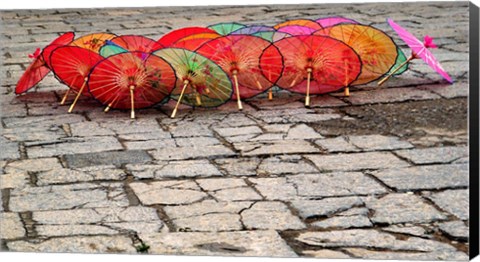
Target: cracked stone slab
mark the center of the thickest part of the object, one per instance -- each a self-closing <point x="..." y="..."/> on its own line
<point x="186" y="129"/>
<point x="455" y="229"/>
<point x="335" y="184"/>
<point x="11" y="225"/>
<point x="371" y="238"/>
<point x="168" y="192"/>
<point x="325" y="207"/>
<point x="434" y="155"/>
<point x="221" y="183"/>
<point x="337" y="144"/>
<point x="14" y="180"/>
<point x="238" y="166"/>
<point x="213" y="222"/>
<point x="244" y="243"/>
<point x="409" y="230"/>
<point x="196" y="141"/>
<point x="33" y="165"/>
<point x="183" y="153"/>
<point x="402" y="208"/>
<point x="150" y="144"/>
<point x="378" y="142"/>
<point x="270" y="215"/>
<point x="65" y="175"/>
<point x="236" y="194"/>
<point x="67" y="196"/>
<point x="131" y="126"/>
<point x="79" y="244"/>
<point x="32" y="135"/>
<point x="344" y="222"/>
<point x="275" y="188"/>
<point x="238" y="131"/>
<point x="175" y="169"/>
<point x="275" y="147"/>
<point x="89" y="129"/>
<point x="455" y="202"/>
<point x="42" y="121"/>
<point x="325" y="253"/>
<point x="386" y="255"/>
<point x="281" y="165"/>
<point x="206" y="207"/>
<point x="76" y="146"/>
<point x="356" y="161"/>
<point x="425" y="177"/>
<point x="116" y="158"/>
<point x="389" y="95"/>
<point x="302" y="131"/>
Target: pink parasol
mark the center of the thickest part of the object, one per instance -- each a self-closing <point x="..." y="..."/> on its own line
<point x="419" y="50"/>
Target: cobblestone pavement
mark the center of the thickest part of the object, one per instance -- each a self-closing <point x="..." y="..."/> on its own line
<point x="380" y="174"/>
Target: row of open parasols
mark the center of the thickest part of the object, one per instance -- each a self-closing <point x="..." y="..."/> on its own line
<point x="207" y="66"/>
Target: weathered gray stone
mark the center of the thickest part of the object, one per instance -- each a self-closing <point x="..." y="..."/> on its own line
<point x="378" y="142"/>
<point x="455" y="202"/>
<point x="33" y="165"/>
<point x="388" y="95"/>
<point x="236" y="194"/>
<point x="186" y="129"/>
<point x="42" y="121"/>
<point x="196" y="141"/>
<point x="285" y="165"/>
<point x="270" y="215"/>
<point x="10" y="150"/>
<point x="325" y="253"/>
<point x="425" y="177"/>
<point x="275" y="147"/>
<point x="455" y="229"/>
<point x="385" y="255"/>
<point x="302" y="131"/>
<point x="132" y="126"/>
<point x="206" y="207"/>
<point x="89" y="129"/>
<point x="325" y="207"/>
<point x="337" y="144"/>
<point x="357" y="161"/>
<point x="238" y="131"/>
<point x="457" y="89"/>
<point x="150" y="144"/>
<point x="221" y="183"/>
<point x="80" y="244"/>
<point x="182" y="153"/>
<point x="67" y="197"/>
<point x="343" y="222"/>
<point x="409" y="230"/>
<point x="76" y="146"/>
<point x="434" y="154"/>
<point x="238" y="166"/>
<point x="401" y="208"/>
<point x="73" y="230"/>
<point x="210" y="222"/>
<point x="167" y="192"/>
<point x="14" y="180"/>
<point x="335" y="184"/>
<point x="65" y="175"/>
<point x="11" y="225"/>
<point x="175" y="169"/>
<point x="244" y="243"/>
<point x="370" y="238"/>
<point x="275" y="188"/>
<point x="116" y="158"/>
<point x="157" y="135"/>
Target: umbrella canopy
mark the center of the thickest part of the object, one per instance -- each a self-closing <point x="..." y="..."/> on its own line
<point x="168" y="39"/>
<point x="40" y="66"/>
<point x="272" y="36"/>
<point x="194" y="41"/>
<point x="131" y="80"/>
<point x="200" y="82"/>
<point x="136" y="43"/>
<point x="334" y="20"/>
<point x="238" y="55"/>
<point x="93" y="42"/>
<point x="377" y="50"/>
<point x="298" y="27"/>
<point x="317" y="64"/>
<point x="252" y="29"/>
<point x="419" y="50"/>
<point x="226" y="28"/>
<point x="71" y="65"/>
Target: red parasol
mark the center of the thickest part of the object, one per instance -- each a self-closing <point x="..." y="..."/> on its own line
<point x="71" y="65"/>
<point x="317" y="64"/>
<point x="40" y="66"/>
<point x="238" y="55"/>
<point x="136" y="43"/>
<point x="168" y="39"/>
<point x="131" y="80"/>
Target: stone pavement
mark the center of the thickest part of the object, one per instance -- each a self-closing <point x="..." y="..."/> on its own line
<point x="380" y="174"/>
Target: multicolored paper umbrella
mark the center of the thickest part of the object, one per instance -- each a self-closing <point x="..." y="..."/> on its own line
<point x="93" y="42"/>
<point x="194" y="41"/>
<point x="376" y="49"/>
<point x="136" y="43"/>
<point x="131" y="80"/>
<point x="239" y="56"/>
<point x="209" y="84"/>
<point x="252" y="29"/>
<point x="168" y="39"/>
<point x="298" y="27"/>
<point x="419" y="50"/>
<point x="317" y="64"/>
<point x="334" y="20"/>
<point x="226" y="28"/>
<point x="71" y="65"/>
<point x="40" y="66"/>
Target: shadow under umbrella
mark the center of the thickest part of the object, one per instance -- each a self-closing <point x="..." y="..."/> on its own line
<point x="200" y="82"/>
